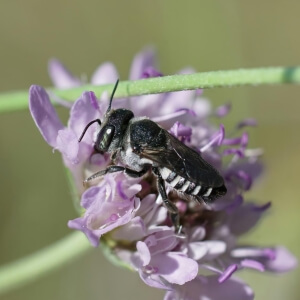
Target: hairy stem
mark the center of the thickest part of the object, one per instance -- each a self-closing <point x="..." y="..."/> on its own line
<point x="273" y="75"/>
<point x="29" y="268"/>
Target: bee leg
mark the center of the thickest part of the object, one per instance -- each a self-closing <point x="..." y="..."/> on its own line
<point x="175" y="221"/>
<point x="110" y="169"/>
<point x="136" y="174"/>
<point x="171" y="207"/>
<point x="113" y="169"/>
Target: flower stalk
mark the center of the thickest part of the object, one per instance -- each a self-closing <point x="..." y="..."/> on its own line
<point x="258" y="76"/>
<point x="29" y="268"/>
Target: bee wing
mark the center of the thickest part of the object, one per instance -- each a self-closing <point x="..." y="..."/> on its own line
<point x="185" y="161"/>
<point x="195" y="166"/>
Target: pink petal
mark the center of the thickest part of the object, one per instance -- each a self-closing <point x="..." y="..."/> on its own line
<point x="144" y="253"/>
<point x="133" y="231"/>
<point x="61" y="76"/>
<point x="206" y="250"/>
<point x="91" y="195"/>
<point x="169" y="268"/>
<point x="158" y="217"/>
<point x="44" y="114"/>
<point x="147" y="205"/>
<point x="105" y="74"/>
<point x="161" y="241"/>
<point x="284" y="261"/>
<point x="79" y="224"/>
<point x="67" y="144"/>
<point x="141" y="62"/>
<point x="196" y="251"/>
<point x="208" y="288"/>
<point x="244" y="218"/>
<point x="175" y="267"/>
<point x="84" y="111"/>
<point x="168" y="120"/>
<point x="223" y="110"/>
<point x="98" y="225"/>
<point x="252" y="264"/>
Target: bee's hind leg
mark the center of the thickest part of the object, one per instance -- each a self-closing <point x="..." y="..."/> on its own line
<point x="176" y="222"/>
<point x="171" y="207"/>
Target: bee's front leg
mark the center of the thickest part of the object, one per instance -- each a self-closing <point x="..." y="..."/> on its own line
<point x="113" y="169"/>
<point x="109" y="169"/>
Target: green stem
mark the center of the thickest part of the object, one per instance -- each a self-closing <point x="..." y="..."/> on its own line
<point x="273" y="75"/>
<point x="30" y="268"/>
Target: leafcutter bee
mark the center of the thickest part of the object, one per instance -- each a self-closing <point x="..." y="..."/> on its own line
<point x="141" y="145"/>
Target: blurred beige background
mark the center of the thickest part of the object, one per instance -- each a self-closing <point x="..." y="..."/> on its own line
<point x="208" y="35"/>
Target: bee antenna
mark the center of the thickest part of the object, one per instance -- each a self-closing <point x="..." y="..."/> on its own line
<point x="86" y="128"/>
<point x="111" y="97"/>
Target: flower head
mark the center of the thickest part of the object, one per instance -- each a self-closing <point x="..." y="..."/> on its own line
<point x="127" y="213"/>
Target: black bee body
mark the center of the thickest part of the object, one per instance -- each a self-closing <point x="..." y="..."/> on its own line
<point x="180" y="167"/>
<point x="140" y="145"/>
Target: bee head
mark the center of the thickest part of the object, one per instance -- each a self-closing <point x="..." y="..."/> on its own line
<point x="112" y="128"/>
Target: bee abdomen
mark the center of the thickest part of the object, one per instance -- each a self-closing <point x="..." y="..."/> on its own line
<point x="167" y="174"/>
<point x="183" y="185"/>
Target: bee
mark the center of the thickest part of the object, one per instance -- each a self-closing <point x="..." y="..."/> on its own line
<point x="141" y="145"/>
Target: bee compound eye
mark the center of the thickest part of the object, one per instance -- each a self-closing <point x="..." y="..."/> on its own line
<point x="105" y="138"/>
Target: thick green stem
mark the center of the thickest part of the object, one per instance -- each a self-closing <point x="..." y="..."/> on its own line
<point x="28" y="269"/>
<point x="275" y="75"/>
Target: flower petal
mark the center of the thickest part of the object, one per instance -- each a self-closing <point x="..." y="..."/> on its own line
<point x="105" y="74"/>
<point x="141" y="62"/>
<point x="252" y="264"/>
<point x="84" y="110"/>
<point x="94" y="226"/>
<point x="144" y="253"/>
<point x="223" y="110"/>
<point x="67" y="144"/>
<point x="284" y="261"/>
<point x="171" y="267"/>
<point x="175" y="267"/>
<point x="79" y="224"/>
<point x="167" y="120"/>
<point x="244" y="218"/>
<point x="105" y="208"/>
<point x="206" y="250"/>
<point x="147" y="205"/>
<point x="44" y="114"/>
<point x="151" y="72"/>
<point x="61" y="76"/>
<point x="161" y="241"/>
<point x="133" y="231"/>
<point x="208" y="288"/>
<point x="196" y="250"/>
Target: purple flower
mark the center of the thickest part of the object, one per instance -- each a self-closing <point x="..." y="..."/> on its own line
<point x="127" y="214"/>
<point x="204" y="287"/>
<point x="157" y="262"/>
<point x="76" y="156"/>
<point x="108" y="205"/>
